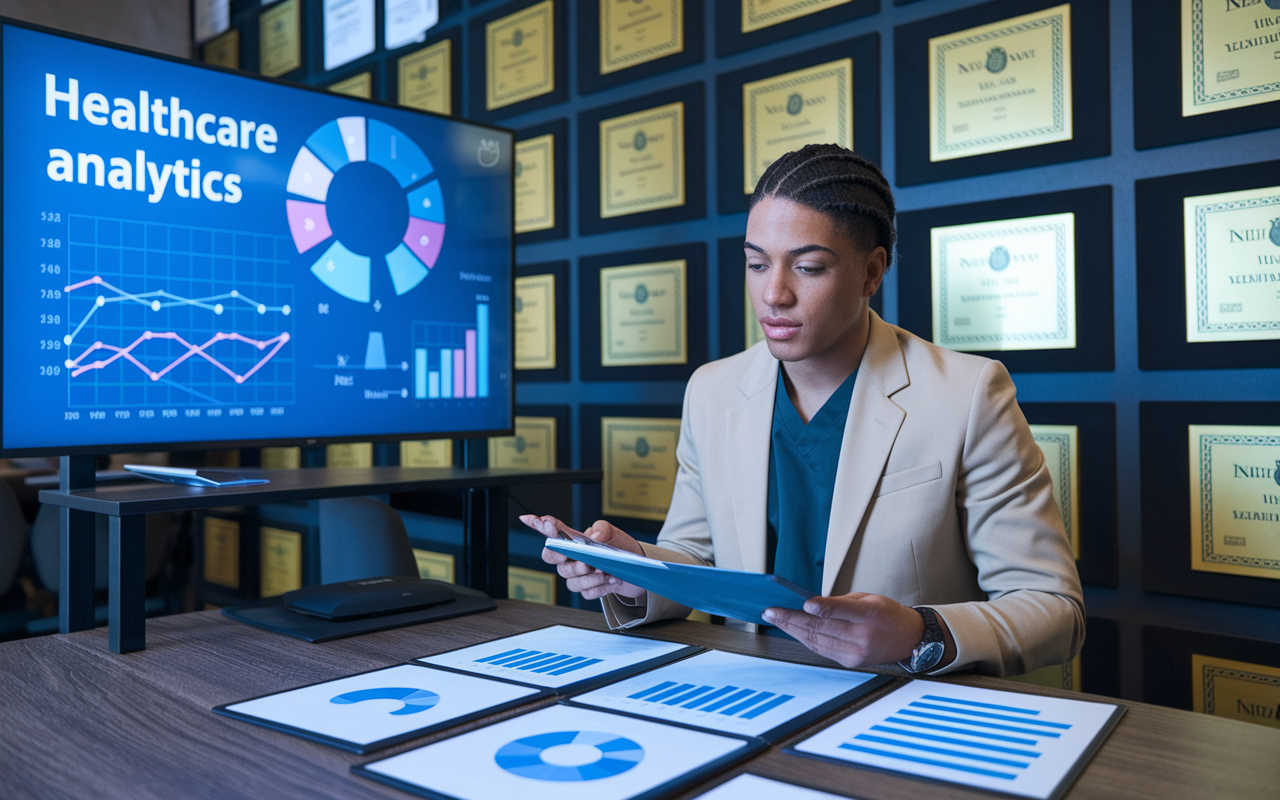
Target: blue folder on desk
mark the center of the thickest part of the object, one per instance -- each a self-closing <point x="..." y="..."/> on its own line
<point x="722" y="592"/>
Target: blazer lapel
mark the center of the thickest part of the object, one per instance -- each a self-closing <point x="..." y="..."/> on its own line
<point x="749" y="424"/>
<point x="869" y="433"/>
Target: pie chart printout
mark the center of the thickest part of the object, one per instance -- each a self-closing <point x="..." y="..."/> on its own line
<point x="570" y="756"/>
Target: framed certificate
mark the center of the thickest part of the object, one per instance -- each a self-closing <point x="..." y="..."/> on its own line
<point x="1079" y="445"/>
<point x="542" y="182"/>
<point x="624" y="40"/>
<point x="427" y="453"/>
<point x="280" y="39"/>
<point x="1223" y="310"/>
<point x="532" y="447"/>
<point x="748" y="24"/>
<point x="1226" y="676"/>
<point x="739" y="328"/>
<point x="223" y="50"/>
<point x="1005" y="285"/>
<point x="829" y="94"/>
<point x="1203" y="69"/>
<point x="358" y="85"/>
<point x="659" y="425"/>
<point x="517" y="55"/>
<point x="643" y="314"/>
<point x="995" y="87"/>
<point x="1210" y="500"/>
<point x="639" y="161"/>
<point x="425" y="78"/>
<point x="542" y="322"/>
<point x="1001" y="86"/>
<point x="1003" y="279"/>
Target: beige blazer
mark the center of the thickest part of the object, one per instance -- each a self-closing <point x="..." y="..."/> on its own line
<point x="942" y="498"/>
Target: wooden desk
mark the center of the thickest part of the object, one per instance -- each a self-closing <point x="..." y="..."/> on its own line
<point x="484" y="525"/>
<point x="77" y="720"/>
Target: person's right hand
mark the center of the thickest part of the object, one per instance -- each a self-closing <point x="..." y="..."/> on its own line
<point x="585" y="579"/>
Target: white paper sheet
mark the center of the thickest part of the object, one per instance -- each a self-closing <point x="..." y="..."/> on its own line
<point x="753" y="787"/>
<point x="362" y="708"/>
<point x="348" y="31"/>
<point x="554" y="657"/>
<point x="558" y="753"/>
<point x="727" y="692"/>
<point x="407" y="21"/>
<point x="1021" y="744"/>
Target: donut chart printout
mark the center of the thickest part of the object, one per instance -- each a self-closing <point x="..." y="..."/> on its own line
<point x="1019" y="744"/>
<point x="560" y="753"/>
<point x="376" y="709"/>
<point x="192" y="255"/>
<point x="561" y="657"/>
<point x="737" y="694"/>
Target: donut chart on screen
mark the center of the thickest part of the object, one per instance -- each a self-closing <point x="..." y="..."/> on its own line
<point x="569" y="756"/>
<point x="355" y="144"/>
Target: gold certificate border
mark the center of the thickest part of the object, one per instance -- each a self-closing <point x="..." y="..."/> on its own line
<point x="1204" y="673"/>
<point x="655" y="357"/>
<point x="617" y="425"/>
<point x="841" y="69"/>
<point x="673" y="113"/>
<point x="290" y="12"/>
<point x="670" y="46"/>
<point x="942" y="150"/>
<point x="1067" y="438"/>
<point x="1195" y="221"/>
<point x="547" y="144"/>
<point x="546" y="284"/>
<point x="442" y="49"/>
<point x="1203" y="556"/>
<point x="494" y="100"/>
<point x="753" y="19"/>
<point x="544" y="427"/>
<point x="1193" y="39"/>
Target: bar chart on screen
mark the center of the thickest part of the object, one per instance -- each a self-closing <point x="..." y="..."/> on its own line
<point x="561" y="657"/>
<point x="1016" y="743"/>
<point x="451" y="360"/>
<point x="735" y="694"/>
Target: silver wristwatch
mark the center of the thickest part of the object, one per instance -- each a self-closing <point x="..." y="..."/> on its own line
<point x="929" y="652"/>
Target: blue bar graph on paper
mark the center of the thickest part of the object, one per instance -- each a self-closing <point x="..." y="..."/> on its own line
<point x="995" y="741"/>
<point x="731" y="701"/>
<point x="538" y="661"/>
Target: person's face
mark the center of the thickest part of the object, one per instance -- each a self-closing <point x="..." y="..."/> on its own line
<point x="808" y="281"/>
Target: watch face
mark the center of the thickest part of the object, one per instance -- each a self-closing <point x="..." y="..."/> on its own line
<point x="927" y="656"/>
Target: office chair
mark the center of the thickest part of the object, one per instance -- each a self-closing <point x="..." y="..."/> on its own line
<point x="46" y="547"/>
<point x="13" y="536"/>
<point x="363" y="538"/>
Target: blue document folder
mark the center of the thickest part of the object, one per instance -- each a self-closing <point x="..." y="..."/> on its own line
<point x="722" y="592"/>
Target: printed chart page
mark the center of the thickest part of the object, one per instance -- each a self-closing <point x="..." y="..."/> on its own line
<point x="1020" y="744"/>
<point x="560" y="657"/>
<point x="735" y="694"/>
<point x="379" y="708"/>
<point x="753" y="787"/>
<point x="559" y="753"/>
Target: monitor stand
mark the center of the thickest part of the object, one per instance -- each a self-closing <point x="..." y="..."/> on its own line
<point x="76" y="542"/>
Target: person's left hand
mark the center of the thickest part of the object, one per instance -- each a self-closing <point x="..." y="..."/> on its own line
<point x="857" y="630"/>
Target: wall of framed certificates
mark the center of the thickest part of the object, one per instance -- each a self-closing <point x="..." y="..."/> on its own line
<point x="1087" y="190"/>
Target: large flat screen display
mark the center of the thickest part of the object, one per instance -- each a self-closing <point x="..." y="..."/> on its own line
<point x="193" y="256"/>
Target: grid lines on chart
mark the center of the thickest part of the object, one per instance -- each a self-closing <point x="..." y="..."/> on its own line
<point x="178" y="315"/>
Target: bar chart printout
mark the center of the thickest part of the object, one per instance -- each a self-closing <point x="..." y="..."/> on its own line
<point x="1014" y="743"/>
<point x="560" y="656"/>
<point x="733" y="693"/>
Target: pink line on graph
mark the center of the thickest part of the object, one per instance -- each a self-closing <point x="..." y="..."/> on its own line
<point x="459" y="380"/>
<point x="275" y="342"/>
<point x="471" y="363"/>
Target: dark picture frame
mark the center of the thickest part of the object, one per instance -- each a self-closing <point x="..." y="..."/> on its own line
<point x="1166" y="502"/>
<point x="590" y="456"/>
<point x="695" y="187"/>
<point x="730" y="39"/>
<point x="560" y="372"/>
<point x="477" y="69"/>
<point x="1090" y="89"/>
<point x="590" y="80"/>
<point x="1162" y="293"/>
<point x="559" y="128"/>
<point x="865" y="52"/>
<point x="695" y="257"/>
<point x="1166" y="660"/>
<point x="454" y="35"/>
<point x="1095" y="315"/>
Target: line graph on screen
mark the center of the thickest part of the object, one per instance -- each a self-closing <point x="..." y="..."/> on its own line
<point x="175" y="315"/>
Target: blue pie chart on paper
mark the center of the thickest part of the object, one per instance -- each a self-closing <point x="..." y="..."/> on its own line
<point x="415" y="700"/>
<point x="364" y="197"/>
<point x="570" y="756"/>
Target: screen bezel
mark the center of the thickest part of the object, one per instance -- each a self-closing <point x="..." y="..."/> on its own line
<point x="232" y="444"/>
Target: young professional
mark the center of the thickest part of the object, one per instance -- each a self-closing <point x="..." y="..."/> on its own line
<point x="895" y="478"/>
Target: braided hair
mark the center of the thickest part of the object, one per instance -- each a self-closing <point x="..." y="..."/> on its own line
<point x="846" y="187"/>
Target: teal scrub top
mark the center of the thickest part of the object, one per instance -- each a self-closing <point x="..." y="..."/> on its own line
<point x="802" y="477"/>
